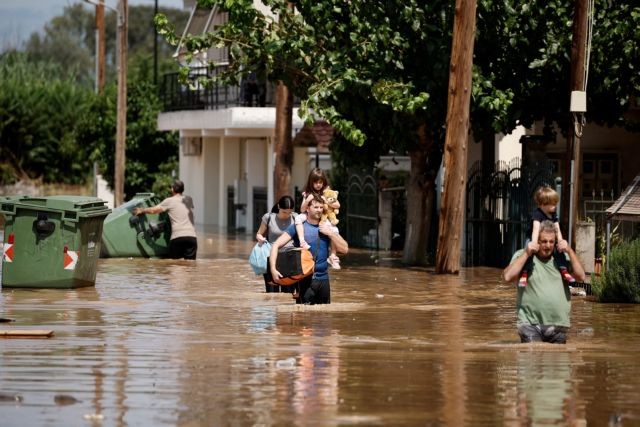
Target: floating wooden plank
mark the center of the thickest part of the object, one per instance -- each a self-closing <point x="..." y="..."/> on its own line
<point x="36" y="333"/>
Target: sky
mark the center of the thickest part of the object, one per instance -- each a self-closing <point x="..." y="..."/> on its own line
<point x="19" y="18"/>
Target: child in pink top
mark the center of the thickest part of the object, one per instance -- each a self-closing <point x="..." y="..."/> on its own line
<point x="316" y="184"/>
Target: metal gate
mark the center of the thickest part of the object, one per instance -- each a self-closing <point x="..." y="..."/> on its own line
<point x="362" y="212"/>
<point x="499" y="204"/>
<point x="231" y="208"/>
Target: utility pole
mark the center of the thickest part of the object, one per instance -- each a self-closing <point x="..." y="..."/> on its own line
<point x="99" y="72"/>
<point x="155" y="47"/>
<point x="100" y="47"/>
<point x="121" y="126"/>
<point x="457" y="137"/>
<point x="578" y="83"/>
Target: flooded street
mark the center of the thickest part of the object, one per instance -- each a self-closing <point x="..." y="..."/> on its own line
<point x="179" y="343"/>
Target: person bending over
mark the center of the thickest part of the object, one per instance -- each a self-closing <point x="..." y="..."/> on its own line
<point x="183" y="242"/>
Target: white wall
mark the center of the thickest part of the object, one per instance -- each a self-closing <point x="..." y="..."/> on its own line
<point x="211" y="191"/>
<point x="256" y="167"/>
<point x="191" y="173"/>
<point x="230" y="171"/>
<point x="508" y="146"/>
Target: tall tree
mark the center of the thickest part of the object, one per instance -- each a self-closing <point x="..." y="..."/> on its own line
<point x="379" y="69"/>
<point x="375" y="64"/>
<point x="284" y="140"/>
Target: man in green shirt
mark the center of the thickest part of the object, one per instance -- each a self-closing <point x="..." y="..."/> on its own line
<point x="544" y="305"/>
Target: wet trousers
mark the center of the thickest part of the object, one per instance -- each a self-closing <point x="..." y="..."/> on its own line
<point x="313" y="291"/>
<point x="543" y="333"/>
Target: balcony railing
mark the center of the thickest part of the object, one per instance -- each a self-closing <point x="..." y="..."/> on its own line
<point x="177" y="96"/>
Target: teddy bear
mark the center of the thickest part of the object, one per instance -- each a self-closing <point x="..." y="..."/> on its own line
<point x="330" y="196"/>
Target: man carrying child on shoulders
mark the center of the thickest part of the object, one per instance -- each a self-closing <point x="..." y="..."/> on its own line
<point x="314" y="289"/>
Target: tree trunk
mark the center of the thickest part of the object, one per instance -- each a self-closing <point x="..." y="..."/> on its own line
<point x="455" y="155"/>
<point x="284" y="142"/>
<point x="420" y="199"/>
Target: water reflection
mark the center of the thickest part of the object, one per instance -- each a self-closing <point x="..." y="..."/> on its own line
<point x="544" y="393"/>
<point x="163" y="342"/>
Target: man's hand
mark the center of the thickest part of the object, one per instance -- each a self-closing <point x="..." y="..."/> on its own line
<point x="276" y="274"/>
<point x="532" y="248"/>
<point x="138" y="211"/>
<point x="562" y="246"/>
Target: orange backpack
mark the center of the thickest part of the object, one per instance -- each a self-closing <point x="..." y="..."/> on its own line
<point x="294" y="264"/>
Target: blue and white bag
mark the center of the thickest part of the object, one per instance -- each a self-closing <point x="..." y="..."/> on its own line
<point x="258" y="257"/>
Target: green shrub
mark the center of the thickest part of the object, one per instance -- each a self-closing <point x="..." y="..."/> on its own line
<point x="621" y="280"/>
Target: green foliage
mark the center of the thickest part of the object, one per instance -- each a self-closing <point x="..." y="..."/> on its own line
<point x="349" y="60"/>
<point x="38" y="110"/>
<point x="522" y="61"/>
<point x="362" y="66"/>
<point x="52" y="125"/>
<point x="151" y="156"/>
<point x="615" y="239"/>
<point x="620" y="281"/>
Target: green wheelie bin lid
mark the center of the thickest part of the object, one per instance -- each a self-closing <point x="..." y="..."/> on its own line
<point x="51" y="242"/>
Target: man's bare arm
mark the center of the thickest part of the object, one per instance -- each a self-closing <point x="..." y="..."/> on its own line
<point x="339" y="244"/>
<point x="576" y="266"/>
<point x="152" y="210"/>
<point x="513" y="270"/>
<point x="273" y="256"/>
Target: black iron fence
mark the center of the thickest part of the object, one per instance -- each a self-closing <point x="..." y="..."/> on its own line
<point x="196" y="95"/>
<point x="362" y="212"/>
<point x="499" y="204"/>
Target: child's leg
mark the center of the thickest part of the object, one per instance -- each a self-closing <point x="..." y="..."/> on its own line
<point x="526" y="272"/>
<point x="561" y="262"/>
<point x="333" y="259"/>
<point x="300" y="230"/>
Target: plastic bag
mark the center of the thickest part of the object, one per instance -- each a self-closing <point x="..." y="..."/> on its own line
<point x="258" y="257"/>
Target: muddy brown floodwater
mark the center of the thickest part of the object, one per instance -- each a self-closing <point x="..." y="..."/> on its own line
<point x="178" y="343"/>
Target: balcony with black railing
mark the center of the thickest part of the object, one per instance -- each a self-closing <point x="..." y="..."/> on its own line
<point x="177" y="96"/>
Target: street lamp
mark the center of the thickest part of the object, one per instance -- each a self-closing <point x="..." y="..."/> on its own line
<point x="121" y="126"/>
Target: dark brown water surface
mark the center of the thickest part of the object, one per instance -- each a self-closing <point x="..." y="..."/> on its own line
<point x="165" y="343"/>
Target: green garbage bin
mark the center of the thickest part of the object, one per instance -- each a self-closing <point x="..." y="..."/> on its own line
<point x="51" y="242"/>
<point x="127" y="235"/>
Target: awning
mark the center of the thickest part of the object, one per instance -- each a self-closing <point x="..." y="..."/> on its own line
<point x="627" y="207"/>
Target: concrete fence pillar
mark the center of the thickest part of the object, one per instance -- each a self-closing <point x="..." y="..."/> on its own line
<point x="586" y="244"/>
